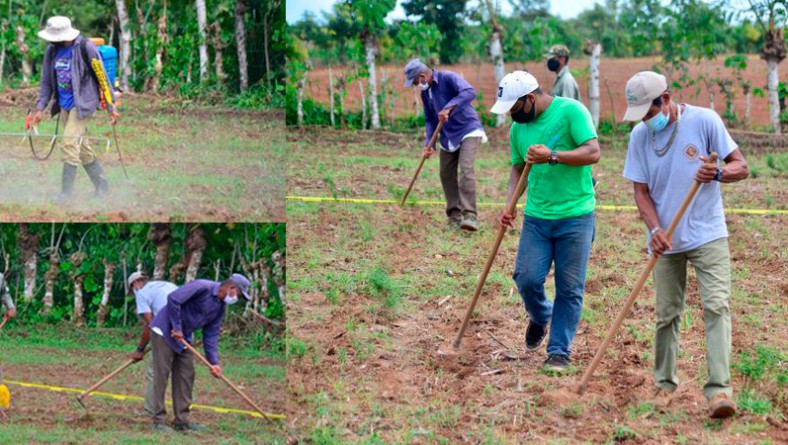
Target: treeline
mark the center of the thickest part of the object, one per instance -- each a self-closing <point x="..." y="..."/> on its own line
<point x="193" y="49"/>
<point x="77" y="272"/>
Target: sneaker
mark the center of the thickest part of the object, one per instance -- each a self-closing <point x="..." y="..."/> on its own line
<point x="557" y="363"/>
<point x="161" y="427"/>
<point x="190" y="427"/>
<point x="469" y="224"/>
<point x="534" y="335"/>
<point x="721" y="406"/>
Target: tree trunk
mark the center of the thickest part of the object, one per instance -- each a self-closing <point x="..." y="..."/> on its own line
<point x="109" y="269"/>
<point x="279" y="275"/>
<point x="27" y="68"/>
<point x="202" y="23"/>
<point x="240" y="43"/>
<point x="341" y="85"/>
<point x="593" y="83"/>
<point x="2" y="62"/>
<point x="163" y="40"/>
<point x="496" y="53"/>
<point x="369" y="46"/>
<point x="747" y="106"/>
<point x="774" y="100"/>
<point x="195" y="246"/>
<point x="78" y="315"/>
<point x="49" y="282"/>
<point x="28" y="244"/>
<point x="331" y="94"/>
<point x="300" y="106"/>
<point x="218" y="47"/>
<point x="363" y="100"/>
<point x="160" y="235"/>
<point x="125" y="43"/>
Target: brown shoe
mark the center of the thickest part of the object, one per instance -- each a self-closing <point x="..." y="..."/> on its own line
<point x="721" y="406"/>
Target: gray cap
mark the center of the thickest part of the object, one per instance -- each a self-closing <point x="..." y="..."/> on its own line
<point x="243" y="284"/>
<point x="412" y="71"/>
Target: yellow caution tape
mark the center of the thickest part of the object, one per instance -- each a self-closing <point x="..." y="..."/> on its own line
<point x="110" y="395"/>
<point x="499" y="204"/>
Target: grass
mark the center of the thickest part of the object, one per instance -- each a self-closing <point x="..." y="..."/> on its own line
<point x="205" y="164"/>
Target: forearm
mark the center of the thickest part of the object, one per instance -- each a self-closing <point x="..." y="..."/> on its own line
<point x="586" y="154"/>
<point x="465" y="96"/>
<point x="514" y="178"/>
<point x="735" y="171"/>
<point x="144" y="338"/>
<point x="646" y="208"/>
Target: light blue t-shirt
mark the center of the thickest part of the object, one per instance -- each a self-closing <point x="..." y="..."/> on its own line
<point x="153" y="296"/>
<point x="669" y="178"/>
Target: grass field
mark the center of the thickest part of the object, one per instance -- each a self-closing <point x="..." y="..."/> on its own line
<point x="377" y="293"/>
<point x="65" y="357"/>
<point x="184" y="164"/>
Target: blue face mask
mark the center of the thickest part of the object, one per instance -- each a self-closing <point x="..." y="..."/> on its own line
<point x="658" y="122"/>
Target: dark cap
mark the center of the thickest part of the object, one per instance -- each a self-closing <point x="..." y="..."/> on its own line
<point x="412" y="71"/>
<point x="242" y="283"/>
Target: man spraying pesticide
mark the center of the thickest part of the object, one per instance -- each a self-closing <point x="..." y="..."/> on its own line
<point x="73" y="74"/>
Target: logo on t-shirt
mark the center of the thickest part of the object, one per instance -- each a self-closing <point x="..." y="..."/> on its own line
<point x="691" y="152"/>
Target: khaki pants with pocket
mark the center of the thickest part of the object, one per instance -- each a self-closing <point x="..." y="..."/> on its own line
<point x="76" y="149"/>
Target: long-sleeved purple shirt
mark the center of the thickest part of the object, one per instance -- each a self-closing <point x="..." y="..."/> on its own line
<point x="193" y="306"/>
<point x="449" y="90"/>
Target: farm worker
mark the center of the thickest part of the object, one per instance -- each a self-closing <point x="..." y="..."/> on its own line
<point x="73" y="73"/>
<point x="666" y="153"/>
<point x="447" y="98"/>
<point x="5" y="297"/>
<point x="557" y="136"/>
<point x="558" y="62"/>
<point x="199" y="304"/>
<point x="151" y="297"/>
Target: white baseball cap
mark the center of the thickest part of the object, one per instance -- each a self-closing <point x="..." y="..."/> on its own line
<point x="58" y="30"/>
<point x="512" y="87"/>
<point x="642" y="89"/>
<point x="134" y="277"/>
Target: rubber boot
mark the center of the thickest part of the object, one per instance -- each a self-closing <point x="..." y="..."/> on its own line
<point x="96" y="173"/>
<point x="67" y="183"/>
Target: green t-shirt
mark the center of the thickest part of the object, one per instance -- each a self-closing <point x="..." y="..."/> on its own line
<point x="556" y="191"/>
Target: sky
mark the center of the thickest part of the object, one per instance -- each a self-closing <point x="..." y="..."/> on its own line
<point x="565" y="9"/>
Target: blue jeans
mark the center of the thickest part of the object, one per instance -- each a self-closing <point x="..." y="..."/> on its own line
<point x="567" y="242"/>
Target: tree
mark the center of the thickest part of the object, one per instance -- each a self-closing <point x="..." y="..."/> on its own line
<point x="240" y="43"/>
<point x="448" y="16"/>
<point x="496" y="53"/>
<point x="125" y="43"/>
<point x="202" y="25"/>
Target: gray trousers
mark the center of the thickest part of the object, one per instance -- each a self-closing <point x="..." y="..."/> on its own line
<point x="460" y="193"/>
<point x="149" y="387"/>
<point x="181" y="366"/>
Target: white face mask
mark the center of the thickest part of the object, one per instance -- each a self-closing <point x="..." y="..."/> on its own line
<point x="424" y="86"/>
<point x="231" y="299"/>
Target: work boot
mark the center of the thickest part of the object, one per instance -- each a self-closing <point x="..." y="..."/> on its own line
<point x="96" y="173"/>
<point x="721" y="406"/>
<point x="534" y="335"/>
<point x="469" y="224"/>
<point x="557" y="363"/>
<point x="161" y="427"/>
<point x="190" y="427"/>
<point x="67" y="183"/>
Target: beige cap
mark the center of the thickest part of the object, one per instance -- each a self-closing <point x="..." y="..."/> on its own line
<point x="58" y="29"/>
<point x="642" y="89"/>
<point x="134" y="277"/>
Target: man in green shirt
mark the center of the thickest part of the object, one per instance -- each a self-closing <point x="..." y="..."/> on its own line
<point x="558" y="62"/>
<point x="557" y="136"/>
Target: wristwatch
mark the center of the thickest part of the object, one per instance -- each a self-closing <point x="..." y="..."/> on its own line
<point x="718" y="176"/>
<point x="553" y="158"/>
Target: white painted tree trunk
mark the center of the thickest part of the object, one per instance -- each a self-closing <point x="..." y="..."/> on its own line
<point x="125" y="44"/>
<point x="2" y="62"/>
<point x="218" y="46"/>
<point x="202" y="23"/>
<point x="240" y="43"/>
<point x="747" y="109"/>
<point x="49" y="285"/>
<point x="27" y="68"/>
<point x="195" y="243"/>
<point x="300" y="105"/>
<point x="103" y="311"/>
<point x="363" y="101"/>
<point x="160" y="235"/>
<point x="369" y="45"/>
<point x="79" y="304"/>
<point x="593" y="84"/>
<point x="30" y="278"/>
<point x="194" y="265"/>
<point x="498" y="67"/>
<point x="278" y="275"/>
<point x="774" y="100"/>
<point x="331" y="93"/>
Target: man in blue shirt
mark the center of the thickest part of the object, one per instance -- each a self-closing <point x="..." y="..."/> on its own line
<point x="199" y="304"/>
<point x="73" y="72"/>
<point x="447" y="98"/>
<point x="151" y="298"/>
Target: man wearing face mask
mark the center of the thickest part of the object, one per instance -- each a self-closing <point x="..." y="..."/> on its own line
<point x="448" y="98"/>
<point x="557" y="136"/>
<point x="5" y="298"/>
<point x="150" y="297"/>
<point x="199" y="304"/>
<point x="558" y="62"/>
<point x="666" y="155"/>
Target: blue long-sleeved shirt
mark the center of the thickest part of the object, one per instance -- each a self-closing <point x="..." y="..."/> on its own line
<point x="193" y="306"/>
<point x="450" y="90"/>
